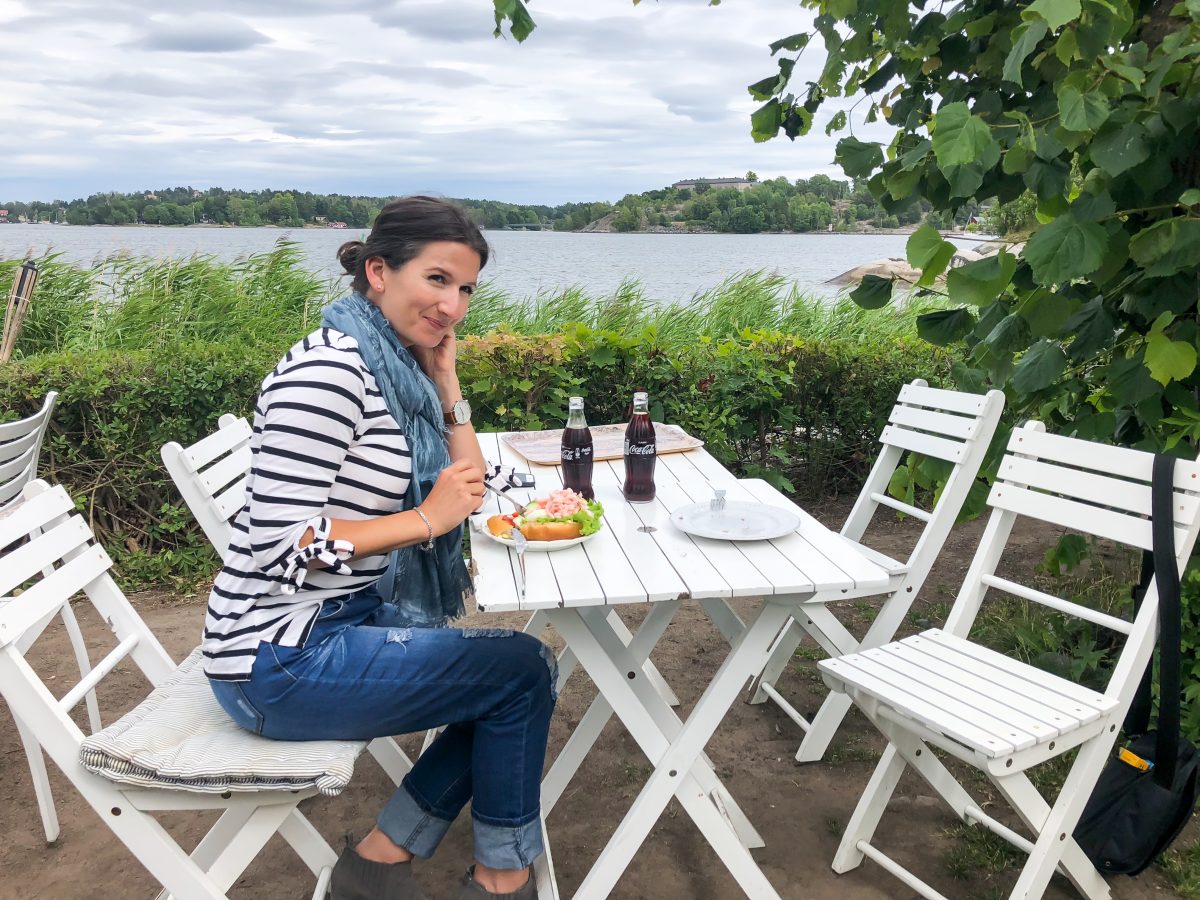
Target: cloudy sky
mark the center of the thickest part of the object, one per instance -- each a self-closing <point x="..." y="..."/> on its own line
<point x="389" y="97"/>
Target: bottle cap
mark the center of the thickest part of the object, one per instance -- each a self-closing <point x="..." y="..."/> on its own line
<point x="641" y="396"/>
<point x="576" y="403"/>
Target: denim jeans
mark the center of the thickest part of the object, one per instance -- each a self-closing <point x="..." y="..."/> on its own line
<point x="361" y="676"/>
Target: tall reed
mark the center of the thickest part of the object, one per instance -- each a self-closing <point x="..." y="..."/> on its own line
<point x="127" y="303"/>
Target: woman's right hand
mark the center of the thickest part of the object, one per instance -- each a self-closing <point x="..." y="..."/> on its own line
<point x="456" y="494"/>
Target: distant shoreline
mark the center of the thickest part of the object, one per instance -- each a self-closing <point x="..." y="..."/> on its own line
<point x="903" y="230"/>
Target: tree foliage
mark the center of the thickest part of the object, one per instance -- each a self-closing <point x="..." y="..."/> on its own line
<point x="1090" y="106"/>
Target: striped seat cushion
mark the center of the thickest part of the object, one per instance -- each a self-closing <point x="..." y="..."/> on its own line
<point x="180" y="738"/>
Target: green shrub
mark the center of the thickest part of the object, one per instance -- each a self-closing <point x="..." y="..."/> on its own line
<point x="800" y="414"/>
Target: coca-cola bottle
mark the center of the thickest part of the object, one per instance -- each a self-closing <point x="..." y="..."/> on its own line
<point x="640" y="449"/>
<point x="577" y="451"/>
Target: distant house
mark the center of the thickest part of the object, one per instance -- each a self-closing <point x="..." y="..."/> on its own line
<point x="738" y="184"/>
<point x="320" y="220"/>
<point x="197" y="194"/>
<point x="149" y="195"/>
<point x="3" y="215"/>
<point x="337" y="225"/>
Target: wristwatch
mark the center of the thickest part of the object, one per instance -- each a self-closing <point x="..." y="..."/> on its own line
<point x="459" y="414"/>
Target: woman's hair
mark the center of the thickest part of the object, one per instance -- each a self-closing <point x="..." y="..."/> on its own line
<point x="402" y="230"/>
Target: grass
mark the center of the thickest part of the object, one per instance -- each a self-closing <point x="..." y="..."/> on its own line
<point x="126" y="302"/>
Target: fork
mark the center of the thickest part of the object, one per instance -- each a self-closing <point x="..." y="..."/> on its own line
<point x="519" y="544"/>
<point x="520" y="507"/>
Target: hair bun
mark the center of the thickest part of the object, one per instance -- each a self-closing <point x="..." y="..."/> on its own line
<point x="350" y="255"/>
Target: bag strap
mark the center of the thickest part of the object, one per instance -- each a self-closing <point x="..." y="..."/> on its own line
<point x="1166" y="572"/>
<point x="1137" y="721"/>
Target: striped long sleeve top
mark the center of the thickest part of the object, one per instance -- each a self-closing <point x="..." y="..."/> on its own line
<point x="324" y="447"/>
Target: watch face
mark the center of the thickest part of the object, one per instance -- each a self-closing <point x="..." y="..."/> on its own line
<point x="461" y="412"/>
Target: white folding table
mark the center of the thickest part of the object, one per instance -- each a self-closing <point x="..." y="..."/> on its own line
<point x="640" y="557"/>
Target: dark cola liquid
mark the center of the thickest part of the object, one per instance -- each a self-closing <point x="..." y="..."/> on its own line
<point x="577" y="461"/>
<point x="640" y="449"/>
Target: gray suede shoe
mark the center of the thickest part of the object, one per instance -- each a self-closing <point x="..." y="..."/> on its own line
<point x="473" y="890"/>
<point x="355" y="878"/>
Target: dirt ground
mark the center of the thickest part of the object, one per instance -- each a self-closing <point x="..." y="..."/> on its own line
<point x="799" y="809"/>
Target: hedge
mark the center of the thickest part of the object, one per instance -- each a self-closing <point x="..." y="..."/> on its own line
<point x="803" y="415"/>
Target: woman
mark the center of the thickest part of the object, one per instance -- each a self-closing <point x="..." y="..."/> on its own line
<point x="363" y="445"/>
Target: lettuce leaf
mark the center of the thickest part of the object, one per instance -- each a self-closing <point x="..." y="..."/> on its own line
<point x="589" y="520"/>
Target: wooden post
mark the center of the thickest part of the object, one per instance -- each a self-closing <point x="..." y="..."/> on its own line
<point x="18" y="306"/>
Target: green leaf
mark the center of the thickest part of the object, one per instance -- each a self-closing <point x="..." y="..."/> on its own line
<point x="837" y="122"/>
<point x="1065" y="249"/>
<point x="1167" y="247"/>
<point x="1080" y="111"/>
<point x="958" y="136"/>
<point x="1190" y="197"/>
<point x="926" y="250"/>
<point x="1047" y="179"/>
<point x="1120" y="149"/>
<point x="1026" y="37"/>
<point x="1017" y="159"/>
<point x="1094" y="328"/>
<point x="981" y="281"/>
<point x="1169" y="360"/>
<point x="521" y="24"/>
<point x="1057" y="13"/>
<point x="1045" y="311"/>
<point x="1011" y="334"/>
<point x="981" y="26"/>
<point x="965" y="180"/>
<point x="945" y="326"/>
<point x="765" y="121"/>
<point x="1040" y="367"/>
<point x="873" y="292"/>
<point x="858" y="158"/>
<point x="1129" y="381"/>
<point x="793" y="42"/>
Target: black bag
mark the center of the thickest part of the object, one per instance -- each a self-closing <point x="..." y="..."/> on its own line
<point x="1133" y="814"/>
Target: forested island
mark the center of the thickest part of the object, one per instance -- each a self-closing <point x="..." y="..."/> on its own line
<point x="819" y="203"/>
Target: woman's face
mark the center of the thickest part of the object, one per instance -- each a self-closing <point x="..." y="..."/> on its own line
<point x="427" y="297"/>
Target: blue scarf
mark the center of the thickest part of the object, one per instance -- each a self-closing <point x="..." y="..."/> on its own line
<point x="428" y="586"/>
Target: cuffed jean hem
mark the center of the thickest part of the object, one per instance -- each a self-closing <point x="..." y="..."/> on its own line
<point x="508" y="846"/>
<point x="407" y="825"/>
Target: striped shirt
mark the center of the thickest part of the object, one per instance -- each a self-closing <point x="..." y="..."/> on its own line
<point x="324" y="447"/>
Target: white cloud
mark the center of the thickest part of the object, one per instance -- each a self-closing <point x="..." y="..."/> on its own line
<point x="604" y="99"/>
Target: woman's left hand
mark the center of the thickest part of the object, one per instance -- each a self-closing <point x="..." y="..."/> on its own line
<point x="440" y="362"/>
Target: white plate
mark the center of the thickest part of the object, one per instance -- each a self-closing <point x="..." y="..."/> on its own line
<point x="540" y="546"/>
<point x="738" y="521"/>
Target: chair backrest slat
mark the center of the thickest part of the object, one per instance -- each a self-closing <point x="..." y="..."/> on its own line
<point x="20" y="446"/>
<point x="919" y="393"/>
<point x="961" y="427"/>
<point x="212" y="485"/>
<point x="221" y="441"/>
<point x="41" y="552"/>
<point x="1125" y="528"/>
<point x="926" y="444"/>
<point x="1093" y="487"/>
<point x="230" y="468"/>
<point x="48" y="595"/>
<point x="37" y="512"/>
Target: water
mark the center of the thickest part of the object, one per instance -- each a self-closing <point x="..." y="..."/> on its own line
<point x="671" y="267"/>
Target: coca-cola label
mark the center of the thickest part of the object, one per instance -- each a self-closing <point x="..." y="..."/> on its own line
<point x="639" y="449"/>
<point x="570" y="454"/>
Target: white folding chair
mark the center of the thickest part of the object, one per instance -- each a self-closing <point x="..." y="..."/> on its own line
<point x="174" y="751"/>
<point x="20" y="446"/>
<point x="947" y="425"/>
<point x="211" y="476"/>
<point x="997" y="713"/>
